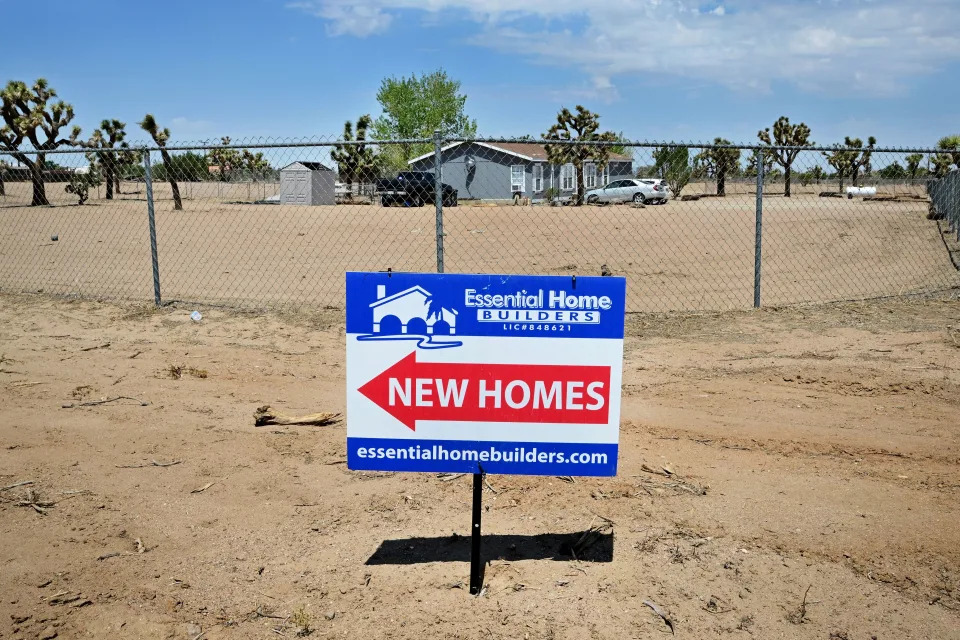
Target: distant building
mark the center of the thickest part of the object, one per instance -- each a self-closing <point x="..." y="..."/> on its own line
<point x="496" y="171"/>
<point x="307" y="183"/>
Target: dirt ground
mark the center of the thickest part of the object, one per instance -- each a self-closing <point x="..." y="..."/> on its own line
<point x="788" y="473"/>
<point x="694" y="255"/>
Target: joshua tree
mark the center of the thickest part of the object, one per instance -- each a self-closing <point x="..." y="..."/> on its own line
<point x="227" y="160"/>
<point x="355" y="162"/>
<point x="951" y="145"/>
<point x="849" y="158"/>
<point x="720" y="163"/>
<point x="3" y="169"/>
<point x="766" y="157"/>
<point x="788" y="135"/>
<point x="841" y="159"/>
<point x="160" y="137"/>
<point x="254" y="163"/>
<point x="861" y="159"/>
<point x="110" y="134"/>
<point x="80" y="183"/>
<point x="29" y="116"/>
<point x="913" y="164"/>
<point x="571" y="130"/>
<point x="949" y="156"/>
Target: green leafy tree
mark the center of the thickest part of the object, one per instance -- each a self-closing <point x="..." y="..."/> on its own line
<point x="913" y="164"/>
<point x="893" y="171"/>
<point x="29" y="116"/>
<point x="414" y="108"/>
<point x="569" y="132"/>
<point x="720" y="163"/>
<point x="786" y="135"/>
<point x="814" y="175"/>
<point x="620" y="149"/>
<point x="355" y="162"/>
<point x="160" y="137"/>
<point x="673" y="165"/>
<point x="80" y="183"/>
<point x="110" y="152"/>
<point x="184" y="167"/>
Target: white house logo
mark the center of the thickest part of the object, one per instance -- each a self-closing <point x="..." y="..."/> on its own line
<point x="413" y="314"/>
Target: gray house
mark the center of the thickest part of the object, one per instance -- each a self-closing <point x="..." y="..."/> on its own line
<point x="495" y="171"/>
<point x="308" y="183"/>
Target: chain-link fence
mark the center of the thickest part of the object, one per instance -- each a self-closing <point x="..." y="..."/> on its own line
<point x="265" y="224"/>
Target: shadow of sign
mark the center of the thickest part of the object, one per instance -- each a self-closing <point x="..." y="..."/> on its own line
<point x="591" y="546"/>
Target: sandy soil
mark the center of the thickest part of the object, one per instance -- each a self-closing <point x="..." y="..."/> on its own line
<point x="695" y="255"/>
<point x="810" y="451"/>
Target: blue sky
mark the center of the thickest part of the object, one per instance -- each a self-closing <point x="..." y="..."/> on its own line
<point x="654" y="69"/>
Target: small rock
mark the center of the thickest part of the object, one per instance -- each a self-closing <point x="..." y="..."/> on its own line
<point x="192" y="630"/>
<point x="330" y="615"/>
<point x="48" y="634"/>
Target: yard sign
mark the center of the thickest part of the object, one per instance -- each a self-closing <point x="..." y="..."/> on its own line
<point x="484" y="373"/>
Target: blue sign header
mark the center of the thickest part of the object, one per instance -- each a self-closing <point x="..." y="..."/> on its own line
<point x="441" y="305"/>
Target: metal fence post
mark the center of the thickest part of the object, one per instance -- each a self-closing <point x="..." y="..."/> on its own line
<point x="758" y="233"/>
<point x="438" y="195"/>
<point x="153" y="228"/>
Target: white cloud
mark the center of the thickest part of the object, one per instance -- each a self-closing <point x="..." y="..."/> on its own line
<point x="347" y="18"/>
<point x="851" y="46"/>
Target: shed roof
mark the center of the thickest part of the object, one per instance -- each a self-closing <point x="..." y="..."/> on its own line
<point x="312" y="166"/>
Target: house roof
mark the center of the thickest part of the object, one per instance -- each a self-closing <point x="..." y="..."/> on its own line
<point x="313" y="166"/>
<point x="405" y="292"/>
<point x="532" y="151"/>
<point x="401" y="294"/>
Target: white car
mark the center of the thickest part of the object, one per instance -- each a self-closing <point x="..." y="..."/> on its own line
<point x="640" y="190"/>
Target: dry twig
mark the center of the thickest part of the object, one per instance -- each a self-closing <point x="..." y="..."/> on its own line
<point x="94" y="403"/>
<point x="657" y="610"/>
<point x="152" y="463"/>
<point x="17" y="484"/>
<point x="99" y="346"/>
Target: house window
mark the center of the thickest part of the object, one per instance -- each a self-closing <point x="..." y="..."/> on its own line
<point x="567" y="180"/>
<point x="605" y="174"/>
<point x="590" y="176"/>
<point x="537" y="178"/>
<point x="517" y="178"/>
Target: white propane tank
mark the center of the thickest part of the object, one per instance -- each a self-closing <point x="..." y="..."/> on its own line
<point x="861" y="191"/>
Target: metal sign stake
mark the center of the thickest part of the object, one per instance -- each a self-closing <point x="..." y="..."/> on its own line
<point x="476" y="564"/>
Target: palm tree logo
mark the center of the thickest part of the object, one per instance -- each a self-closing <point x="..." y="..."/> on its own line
<point x="434" y="307"/>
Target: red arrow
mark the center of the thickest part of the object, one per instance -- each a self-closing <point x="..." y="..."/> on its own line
<point x="484" y="392"/>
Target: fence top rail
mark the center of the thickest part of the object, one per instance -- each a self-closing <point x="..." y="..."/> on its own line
<point x="209" y="146"/>
<point x="703" y="145"/>
<point x="260" y="143"/>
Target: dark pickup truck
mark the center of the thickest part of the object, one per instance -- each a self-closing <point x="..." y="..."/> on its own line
<point x="413" y="189"/>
